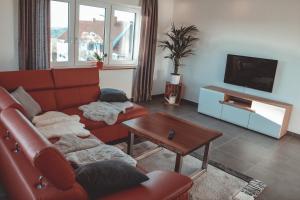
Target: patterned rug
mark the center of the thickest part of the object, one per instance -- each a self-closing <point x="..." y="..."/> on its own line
<point x="218" y="183"/>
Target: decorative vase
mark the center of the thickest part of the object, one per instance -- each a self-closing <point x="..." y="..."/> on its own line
<point x="175" y="79"/>
<point x="99" y="65"/>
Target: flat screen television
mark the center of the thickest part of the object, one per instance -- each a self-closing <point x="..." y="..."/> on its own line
<point x="256" y="73"/>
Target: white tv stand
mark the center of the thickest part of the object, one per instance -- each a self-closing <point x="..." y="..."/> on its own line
<point x="263" y="115"/>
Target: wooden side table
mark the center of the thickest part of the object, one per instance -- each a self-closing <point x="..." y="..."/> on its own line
<point x="173" y="90"/>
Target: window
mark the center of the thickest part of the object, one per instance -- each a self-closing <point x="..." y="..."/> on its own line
<point x="91" y="32"/>
<point x="122" y="33"/>
<point x="59" y="32"/>
<point x="79" y="28"/>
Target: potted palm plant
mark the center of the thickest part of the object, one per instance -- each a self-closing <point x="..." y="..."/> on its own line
<point x="180" y="45"/>
<point x="99" y="60"/>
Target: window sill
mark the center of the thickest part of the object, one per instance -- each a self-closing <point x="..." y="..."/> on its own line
<point x="105" y="67"/>
<point x="120" y="67"/>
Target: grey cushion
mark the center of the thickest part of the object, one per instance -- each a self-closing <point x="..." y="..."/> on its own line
<point x="104" y="177"/>
<point x="31" y="107"/>
<point x="112" y="95"/>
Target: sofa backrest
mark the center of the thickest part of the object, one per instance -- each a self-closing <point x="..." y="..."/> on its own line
<point x="38" y="83"/>
<point x="30" y="80"/>
<point x="77" y="86"/>
<point x="38" y="150"/>
<point x="55" y="89"/>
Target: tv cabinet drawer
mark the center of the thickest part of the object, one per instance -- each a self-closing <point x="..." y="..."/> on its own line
<point x="263" y="125"/>
<point x="235" y="115"/>
<point x="209" y="102"/>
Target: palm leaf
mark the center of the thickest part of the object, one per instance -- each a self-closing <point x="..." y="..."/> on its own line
<point x="179" y="42"/>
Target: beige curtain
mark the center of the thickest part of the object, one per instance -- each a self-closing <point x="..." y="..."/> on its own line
<point x="144" y="73"/>
<point x="34" y="34"/>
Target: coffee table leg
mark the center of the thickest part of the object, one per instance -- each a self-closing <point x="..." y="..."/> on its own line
<point x="130" y="143"/>
<point x="205" y="157"/>
<point x="178" y="163"/>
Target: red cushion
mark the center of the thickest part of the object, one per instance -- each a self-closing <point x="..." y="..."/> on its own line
<point x="131" y="113"/>
<point x="45" y="98"/>
<point x="161" y="185"/>
<point x="75" y="77"/>
<point x="73" y="97"/>
<point x="111" y="133"/>
<point x="30" y="80"/>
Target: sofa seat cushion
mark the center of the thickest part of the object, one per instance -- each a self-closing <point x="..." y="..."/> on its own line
<point x="134" y="112"/>
<point x="108" y="176"/>
<point x="100" y="152"/>
<point x="161" y="185"/>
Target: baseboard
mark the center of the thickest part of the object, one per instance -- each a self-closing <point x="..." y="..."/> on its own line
<point x="190" y="102"/>
<point x="183" y="100"/>
<point x="293" y="134"/>
<point x="158" y="96"/>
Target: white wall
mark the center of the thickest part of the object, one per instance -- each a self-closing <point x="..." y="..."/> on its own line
<point x="162" y="65"/>
<point x="259" y="28"/>
<point x="8" y="35"/>
<point x="118" y="79"/>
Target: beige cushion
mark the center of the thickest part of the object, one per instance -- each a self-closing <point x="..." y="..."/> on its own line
<point x="31" y="107"/>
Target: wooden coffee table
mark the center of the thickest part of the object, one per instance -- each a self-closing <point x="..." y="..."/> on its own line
<point x="188" y="137"/>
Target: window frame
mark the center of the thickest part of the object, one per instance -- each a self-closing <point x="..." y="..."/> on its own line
<point x="73" y="46"/>
<point x="136" y="39"/>
<point x="98" y="4"/>
<point x="70" y="36"/>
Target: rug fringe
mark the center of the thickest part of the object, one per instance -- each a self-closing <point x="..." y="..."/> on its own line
<point x="251" y="191"/>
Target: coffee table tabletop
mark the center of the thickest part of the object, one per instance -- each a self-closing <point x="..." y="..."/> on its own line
<point x="188" y="137"/>
<point x="156" y="127"/>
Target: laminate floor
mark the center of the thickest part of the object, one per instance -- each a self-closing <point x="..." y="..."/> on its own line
<point x="275" y="162"/>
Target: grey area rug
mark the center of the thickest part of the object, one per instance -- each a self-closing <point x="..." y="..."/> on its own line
<point x="218" y="183"/>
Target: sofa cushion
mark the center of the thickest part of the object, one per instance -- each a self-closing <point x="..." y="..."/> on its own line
<point x="135" y="111"/>
<point x="112" y="95"/>
<point x="30" y="80"/>
<point x="161" y="185"/>
<point x="100" y="152"/>
<point x="71" y="97"/>
<point x="31" y="107"/>
<point x="75" y="77"/>
<point x="46" y="99"/>
<point x="109" y="176"/>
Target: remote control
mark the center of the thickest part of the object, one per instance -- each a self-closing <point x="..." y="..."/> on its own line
<point x="171" y="134"/>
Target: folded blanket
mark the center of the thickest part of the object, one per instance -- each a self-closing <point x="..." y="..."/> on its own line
<point x="64" y="128"/>
<point x="72" y="143"/>
<point x="56" y="124"/>
<point x="53" y="117"/>
<point x="104" y="111"/>
<point x="99" y="153"/>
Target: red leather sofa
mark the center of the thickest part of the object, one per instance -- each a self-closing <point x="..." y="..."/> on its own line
<point x="30" y="168"/>
<point x="65" y="90"/>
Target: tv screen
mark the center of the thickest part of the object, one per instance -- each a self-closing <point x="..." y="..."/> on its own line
<point x="256" y="73"/>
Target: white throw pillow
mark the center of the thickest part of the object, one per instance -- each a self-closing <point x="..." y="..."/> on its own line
<point x="31" y="107"/>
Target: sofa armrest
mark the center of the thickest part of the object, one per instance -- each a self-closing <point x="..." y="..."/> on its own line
<point x="161" y="185"/>
<point x="38" y="149"/>
<point x="8" y="101"/>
